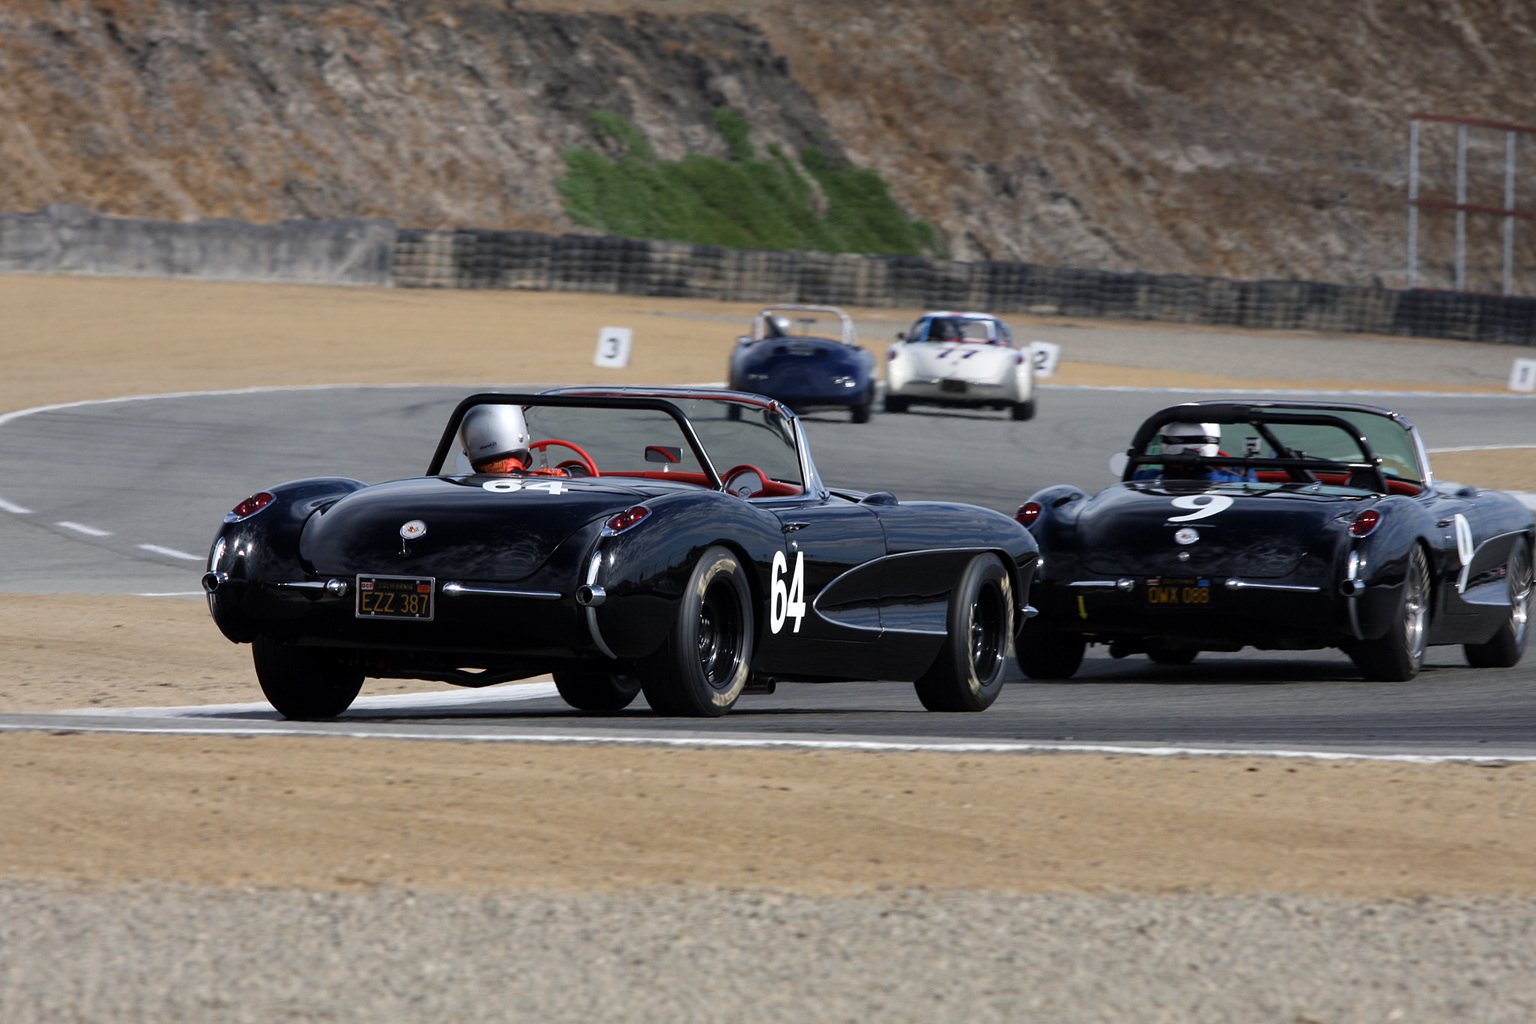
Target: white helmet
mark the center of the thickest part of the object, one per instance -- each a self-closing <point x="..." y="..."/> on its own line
<point x="490" y="432"/>
<point x="1191" y="439"/>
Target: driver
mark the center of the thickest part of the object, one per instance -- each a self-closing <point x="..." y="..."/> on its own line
<point x="1203" y="439"/>
<point x="495" y="439"/>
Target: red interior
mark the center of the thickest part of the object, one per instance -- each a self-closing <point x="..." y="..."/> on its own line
<point x="1280" y="476"/>
<point x="773" y="490"/>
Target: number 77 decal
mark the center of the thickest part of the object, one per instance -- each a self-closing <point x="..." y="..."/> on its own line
<point x="786" y="601"/>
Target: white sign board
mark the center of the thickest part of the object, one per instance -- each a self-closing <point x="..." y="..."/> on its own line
<point x="1044" y="355"/>
<point x="613" y="346"/>
<point x="1523" y="376"/>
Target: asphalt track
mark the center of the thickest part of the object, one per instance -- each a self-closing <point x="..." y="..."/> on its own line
<point x="123" y="498"/>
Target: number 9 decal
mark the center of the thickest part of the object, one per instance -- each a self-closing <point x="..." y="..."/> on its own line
<point x="1204" y="505"/>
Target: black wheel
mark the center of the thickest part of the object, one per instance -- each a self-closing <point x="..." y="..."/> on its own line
<point x="860" y="413"/>
<point x="968" y="673"/>
<point x="703" y="664"/>
<point x="1047" y="655"/>
<point x="1023" y="410"/>
<point x="305" y="682"/>
<point x="597" y="691"/>
<point x="1396" y="657"/>
<point x="1508" y="644"/>
<point x="1169" y="656"/>
<point x="896" y="403"/>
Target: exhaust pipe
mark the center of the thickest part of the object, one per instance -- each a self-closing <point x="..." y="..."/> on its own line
<point x="590" y="595"/>
<point x="212" y="581"/>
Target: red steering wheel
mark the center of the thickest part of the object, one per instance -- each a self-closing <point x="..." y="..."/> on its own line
<point x="586" y="460"/>
<point x="739" y="481"/>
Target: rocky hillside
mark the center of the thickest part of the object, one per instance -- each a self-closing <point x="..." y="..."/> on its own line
<point x="1226" y="137"/>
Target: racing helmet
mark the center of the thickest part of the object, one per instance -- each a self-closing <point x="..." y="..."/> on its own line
<point x="489" y="433"/>
<point x="1191" y="439"/>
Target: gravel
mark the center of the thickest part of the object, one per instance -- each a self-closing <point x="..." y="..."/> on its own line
<point x="167" y="954"/>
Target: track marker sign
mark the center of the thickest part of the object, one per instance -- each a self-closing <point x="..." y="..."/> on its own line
<point x="1044" y="355"/>
<point x="1523" y="376"/>
<point x="613" y="347"/>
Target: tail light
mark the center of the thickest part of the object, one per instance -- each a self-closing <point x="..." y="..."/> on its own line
<point x="249" y="507"/>
<point x="1029" y="512"/>
<point x="626" y="520"/>
<point x="891" y="352"/>
<point x="1018" y="357"/>
<point x="1365" y="523"/>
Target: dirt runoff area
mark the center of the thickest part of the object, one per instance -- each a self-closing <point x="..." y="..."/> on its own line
<point x="360" y="814"/>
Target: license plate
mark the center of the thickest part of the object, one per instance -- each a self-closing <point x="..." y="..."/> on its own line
<point x="395" y="597"/>
<point x="1178" y="593"/>
<point x="953" y="386"/>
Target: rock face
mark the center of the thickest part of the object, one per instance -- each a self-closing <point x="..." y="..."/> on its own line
<point x="1223" y="138"/>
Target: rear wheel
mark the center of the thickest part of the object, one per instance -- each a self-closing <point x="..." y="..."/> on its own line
<point x="1047" y="655"/>
<point x="896" y="403"/>
<point x="1508" y="644"/>
<point x="1023" y="410"/>
<point x="597" y="691"/>
<point x="704" y="663"/>
<point x="1396" y="657"/>
<point x="305" y="682"/>
<point x="968" y="673"/>
<point x="861" y="412"/>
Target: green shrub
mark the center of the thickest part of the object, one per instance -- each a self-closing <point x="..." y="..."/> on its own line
<point x="745" y="202"/>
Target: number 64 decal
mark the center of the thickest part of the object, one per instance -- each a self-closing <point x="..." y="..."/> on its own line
<point x="786" y="601"/>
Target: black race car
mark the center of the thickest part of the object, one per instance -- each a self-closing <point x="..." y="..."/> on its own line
<point x="1281" y="526"/>
<point x="676" y="541"/>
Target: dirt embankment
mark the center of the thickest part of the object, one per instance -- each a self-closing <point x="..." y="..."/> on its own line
<point x="1229" y="138"/>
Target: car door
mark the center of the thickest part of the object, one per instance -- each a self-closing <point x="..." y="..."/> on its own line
<point x="810" y="630"/>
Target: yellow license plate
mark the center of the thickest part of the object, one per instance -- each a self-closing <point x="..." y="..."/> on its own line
<point x="1178" y="593"/>
<point x="395" y="597"/>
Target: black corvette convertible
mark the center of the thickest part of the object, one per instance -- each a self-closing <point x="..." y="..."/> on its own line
<point x="672" y="540"/>
<point x="1281" y="526"/>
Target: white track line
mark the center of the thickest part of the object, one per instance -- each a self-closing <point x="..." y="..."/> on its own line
<point x="89" y="531"/>
<point x="14" y="509"/>
<point x="447" y="700"/>
<point x="1285" y="391"/>
<point x="1482" y="448"/>
<point x="751" y="743"/>
<point x="170" y="552"/>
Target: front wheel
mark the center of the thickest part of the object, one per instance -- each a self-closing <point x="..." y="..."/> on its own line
<point x="703" y="665"/>
<point x="305" y="682"/>
<point x="1023" y="410"/>
<point x="1396" y="657"/>
<point x="968" y="673"/>
<point x="597" y="691"/>
<point x="860" y="413"/>
<point x="1507" y="646"/>
<point x="896" y="403"/>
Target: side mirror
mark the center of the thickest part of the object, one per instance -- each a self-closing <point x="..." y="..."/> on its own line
<point x="1117" y="463"/>
<point x="901" y="335"/>
<point x="744" y="339"/>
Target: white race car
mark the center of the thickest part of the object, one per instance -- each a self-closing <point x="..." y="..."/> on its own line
<point x="965" y="359"/>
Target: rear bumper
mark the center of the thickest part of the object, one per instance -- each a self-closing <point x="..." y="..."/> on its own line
<point x="939" y="392"/>
<point x="1274" y="614"/>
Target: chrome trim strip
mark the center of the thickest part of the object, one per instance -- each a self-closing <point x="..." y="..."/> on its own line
<point x="1233" y="583"/>
<point x="454" y="589"/>
<point x="1465" y="574"/>
<point x="1098" y="584"/>
<point x="301" y="585"/>
<point x="1030" y="611"/>
<point x="593" y="567"/>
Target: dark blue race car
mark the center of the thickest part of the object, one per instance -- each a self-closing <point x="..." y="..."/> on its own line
<point x="808" y="358"/>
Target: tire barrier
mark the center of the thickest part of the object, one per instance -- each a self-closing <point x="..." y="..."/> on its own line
<point x="522" y="259"/>
<point x="64" y="239"/>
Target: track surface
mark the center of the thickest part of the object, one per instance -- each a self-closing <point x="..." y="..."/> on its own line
<point x="124" y="497"/>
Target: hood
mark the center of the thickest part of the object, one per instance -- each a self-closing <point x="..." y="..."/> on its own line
<point x="960" y="360"/>
<point x="471" y="532"/>
<point x="1131" y="529"/>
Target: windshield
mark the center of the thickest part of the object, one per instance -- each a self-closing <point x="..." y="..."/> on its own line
<point x="954" y="328"/>
<point x="641" y="441"/>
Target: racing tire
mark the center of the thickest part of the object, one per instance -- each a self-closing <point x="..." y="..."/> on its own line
<point x="1172" y="657"/>
<point x="1044" y="654"/>
<point x="1023" y="410"/>
<point x="968" y="673"/>
<point x="1507" y="646"/>
<point x="860" y="413"/>
<point x="597" y="691"/>
<point x="702" y="667"/>
<point x="896" y="403"/>
<point x="305" y="683"/>
<point x="1396" y="656"/>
